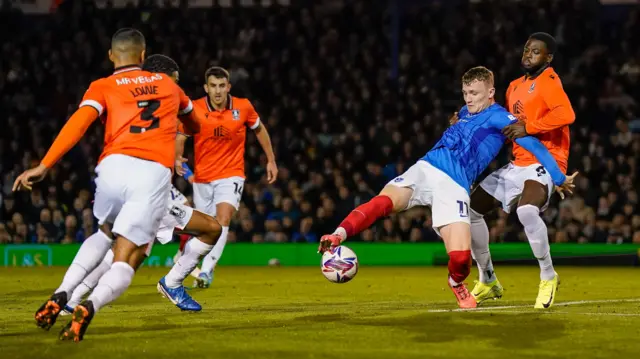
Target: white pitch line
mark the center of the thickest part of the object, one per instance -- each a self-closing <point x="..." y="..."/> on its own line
<point x="562" y="304"/>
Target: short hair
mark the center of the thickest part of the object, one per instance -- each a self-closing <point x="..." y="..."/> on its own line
<point x="478" y="73"/>
<point x="128" y="39"/>
<point x="549" y="41"/>
<point x="217" y="72"/>
<point x="160" y="63"/>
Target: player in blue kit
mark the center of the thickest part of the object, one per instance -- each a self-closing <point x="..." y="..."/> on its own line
<point x="442" y="179"/>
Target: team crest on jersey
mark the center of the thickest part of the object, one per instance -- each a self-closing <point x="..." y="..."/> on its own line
<point x="533" y="87"/>
<point x="235" y="114"/>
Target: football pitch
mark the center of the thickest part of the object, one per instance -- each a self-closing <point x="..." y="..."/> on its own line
<point x="384" y="312"/>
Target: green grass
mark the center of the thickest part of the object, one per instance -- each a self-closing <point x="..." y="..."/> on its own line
<point x="295" y="313"/>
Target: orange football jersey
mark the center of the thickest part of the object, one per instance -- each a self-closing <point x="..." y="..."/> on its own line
<point x="140" y="113"/>
<point x="543" y="105"/>
<point x="219" y="146"/>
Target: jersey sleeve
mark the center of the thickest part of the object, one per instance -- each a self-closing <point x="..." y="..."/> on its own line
<point x="70" y="134"/>
<point x="253" y="119"/>
<point x="545" y="157"/>
<point x="501" y="120"/>
<point x="94" y="97"/>
<point x="560" y="111"/>
<point x="186" y="106"/>
<point x="508" y="94"/>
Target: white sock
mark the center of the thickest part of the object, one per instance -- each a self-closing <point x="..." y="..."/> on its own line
<point x="453" y="282"/>
<point x="177" y="256"/>
<point x="194" y="250"/>
<point x="112" y="285"/>
<point x="210" y="261"/>
<point x="536" y="231"/>
<point x="196" y="272"/>
<point x="480" y="247"/>
<point x="91" y="281"/>
<point x="90" y="254"/>
<point x="341" y="232"/>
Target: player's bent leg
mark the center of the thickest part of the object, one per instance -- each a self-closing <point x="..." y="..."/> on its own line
<point x="488" y="286"/>
<point x="392" y="198"/>
<point x="534" y="197"/>
<point x="224" y="213"/>
<point x="209" y="231"/>
<point x="457" y="240"/>
<point x="90" y="254"/>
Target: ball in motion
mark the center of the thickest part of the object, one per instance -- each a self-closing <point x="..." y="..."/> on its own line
<point x="340" y="264"/>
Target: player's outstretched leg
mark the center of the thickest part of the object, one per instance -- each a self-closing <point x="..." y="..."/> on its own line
<point x="457" y="239"/>
<point x="88" y="283"/>
<point x="89" y="255"/>
<point x="391" y="199"/>
<point x="224" y="213"/>
<point x="488" y="286"/>
<point x="534" y="196"/>
<point x="171" y="285"/>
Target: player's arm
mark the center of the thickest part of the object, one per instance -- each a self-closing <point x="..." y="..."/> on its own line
<point x="560" y="110"/>
<point x="253" y="121"/>
<point x="181" y="166"/>
<point x="70" y="134"/>
<point x="68" y="137"/>
<point x="186" y="114"/>
<point x="545" y="158"/>
<point x="534" y="146"/>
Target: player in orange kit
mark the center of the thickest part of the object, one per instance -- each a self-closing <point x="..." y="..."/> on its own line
<point x="139" y="111"/>
<point x="219" y="157"/>
<point x="543" y="109"/>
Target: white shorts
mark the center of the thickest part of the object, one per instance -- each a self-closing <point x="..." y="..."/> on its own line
<point x="178" y="215"/>
<point x="431" y="187"/>
<point x="131" y="193"/>
<point x="507" y="183"/>
<point x="206" y="196"/>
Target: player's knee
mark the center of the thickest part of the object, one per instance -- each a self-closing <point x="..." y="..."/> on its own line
<point x="214" y="229"/>
<point x="399" y="196"/>
<point x="528" y="214"/>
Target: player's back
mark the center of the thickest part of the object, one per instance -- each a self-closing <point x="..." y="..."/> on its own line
<point x="530" y="98"/>
<point x="468" y="147"/>
<point x="139" y="111"/>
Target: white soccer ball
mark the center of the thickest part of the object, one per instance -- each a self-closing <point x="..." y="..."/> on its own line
<point x="339" y="265"/>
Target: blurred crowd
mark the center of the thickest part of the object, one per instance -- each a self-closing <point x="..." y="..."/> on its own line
<point x="351" y="99"/>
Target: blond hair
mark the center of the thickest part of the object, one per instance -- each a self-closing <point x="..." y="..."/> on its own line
<point x="478" y="73"/>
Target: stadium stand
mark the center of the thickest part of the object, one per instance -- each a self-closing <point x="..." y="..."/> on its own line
<point x="351" y="95"/>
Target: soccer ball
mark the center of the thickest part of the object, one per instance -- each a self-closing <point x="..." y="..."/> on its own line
<point x="339" y="265"/>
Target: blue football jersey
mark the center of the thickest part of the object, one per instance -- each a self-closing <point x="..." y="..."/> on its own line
<point x="468" y="147"/>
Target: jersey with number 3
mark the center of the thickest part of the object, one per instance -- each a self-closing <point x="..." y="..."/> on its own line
<point x="140" y="111"/>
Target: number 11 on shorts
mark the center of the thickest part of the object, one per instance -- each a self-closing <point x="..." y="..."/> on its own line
<point x="464" y="208"/>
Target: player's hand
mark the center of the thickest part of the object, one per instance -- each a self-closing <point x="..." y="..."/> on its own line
<point x="29" y="177"/>
<point x="453" y="119"/>
<point x="567" y="186"/>
<point x="179" y="169"/>
<point x="190" y="179"/>
<point x="272" y="172"/>
<point x="516" y="130"/>
<point x="328" y="242"/>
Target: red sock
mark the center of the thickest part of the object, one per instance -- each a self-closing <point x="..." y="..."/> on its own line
<point x="184" y="238"/>
<point x="459" y="265"/>
<point x="366" y="214"/>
